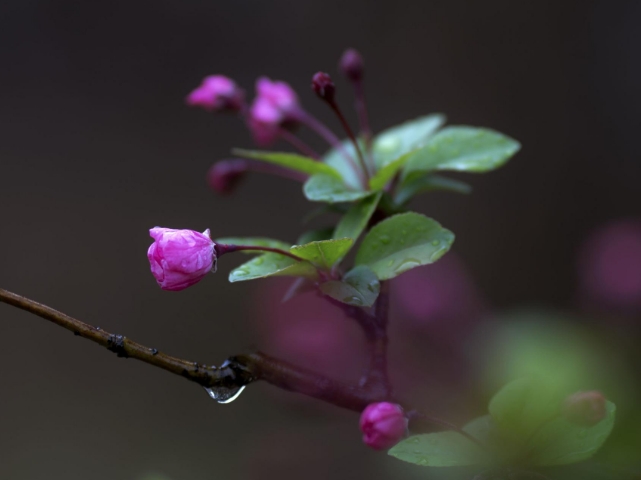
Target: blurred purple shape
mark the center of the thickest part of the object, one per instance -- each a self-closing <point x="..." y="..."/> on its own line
<point x="308" y="331"/>
<point x="217" y="93"/>
<point x="610" y="267"/>
<point x="438" y="293"/>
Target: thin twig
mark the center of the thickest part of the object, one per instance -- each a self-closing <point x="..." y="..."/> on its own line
<point x="235" y="372"/>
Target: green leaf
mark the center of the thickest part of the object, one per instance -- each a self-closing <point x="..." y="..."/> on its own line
<point x="465" y="149"/>
<point x="324" y="253"/>
<point x="560" y="442"/>
<point x="501" y="449"/>
<point x="357" y="217"/>
<point x="385" y="174"/>
<point x="420" y="182"/>
<point x="523" y="405"/>
<point x="390" y="144"/>
<point x="359" y="287"/>
<point x="335" y="158"/>
<point x="254" y="242"/>
<point x="402" y="242"/>
<point x="272" y="264"/>
<point x="443" y="449"/>
<point x="326" y="188"/>
<point x="292" y="161"/>
<point x="314" y="236"/>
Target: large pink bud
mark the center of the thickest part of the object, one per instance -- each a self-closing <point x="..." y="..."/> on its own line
<point x="383" y="425"/>
<point x="180" y="258"/>
<point x="217" y="93"/>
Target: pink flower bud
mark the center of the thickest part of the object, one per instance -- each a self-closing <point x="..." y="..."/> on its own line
<point x="223" y="176"/>
<point x="217" y="93"/>
<point x="279" y="94"/>
<point x="584" y="408"/>
<point x="383" y="425"/>
<point x="323" y="86"/>
<point x="180" y="258"/>
<point x="275" y="105"/>
<point x="351" y="65"/>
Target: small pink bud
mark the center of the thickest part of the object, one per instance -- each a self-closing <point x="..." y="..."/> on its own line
<point x="217" y="93"/>
<point x="224" y="176"/>
<point x="279" y="94"/>
<point x="323" y="86"/>
<point x="351" y="65"/>
<point x="180" y="258"/>
<point x="383" y="425"/>
<point x="276" y="105"/>
<point x="584" y="408"/>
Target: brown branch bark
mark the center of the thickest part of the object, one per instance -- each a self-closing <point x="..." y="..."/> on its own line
<point x="235" y="372"/>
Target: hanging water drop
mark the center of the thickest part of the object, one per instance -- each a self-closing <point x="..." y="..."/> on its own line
<point x="224" y="394"/>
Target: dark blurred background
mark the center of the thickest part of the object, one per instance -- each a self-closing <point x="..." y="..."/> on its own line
<point x="97" y="146"/>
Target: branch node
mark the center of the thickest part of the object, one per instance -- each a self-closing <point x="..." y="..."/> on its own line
<point x="116" y="344"/>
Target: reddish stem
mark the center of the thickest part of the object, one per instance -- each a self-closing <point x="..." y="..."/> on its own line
<point x="222" y="248"/>
<point x="332" y="103"/>
<point x="298" y="144"/>
<point x="316" y="125"/>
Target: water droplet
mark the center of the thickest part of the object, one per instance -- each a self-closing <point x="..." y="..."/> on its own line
<point x="372" y="286"/>
<point x="241" y="272"/>
<point x="422" y="461"/>
<point x="259" y="261"/>
<point x="435" y="242"/>
<point x="406" y="265"/>
<point x="224" y="394"/>
<point x="390" y="263"/>
<point x="384" y="239"/>
<point x="353" y="300"/>
<point x="437" y="254"/>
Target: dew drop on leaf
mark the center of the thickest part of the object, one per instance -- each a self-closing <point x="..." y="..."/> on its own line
<point x="384" y="239"/>
<point x="407" y="265"/>
<point x="353" y="300"/>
